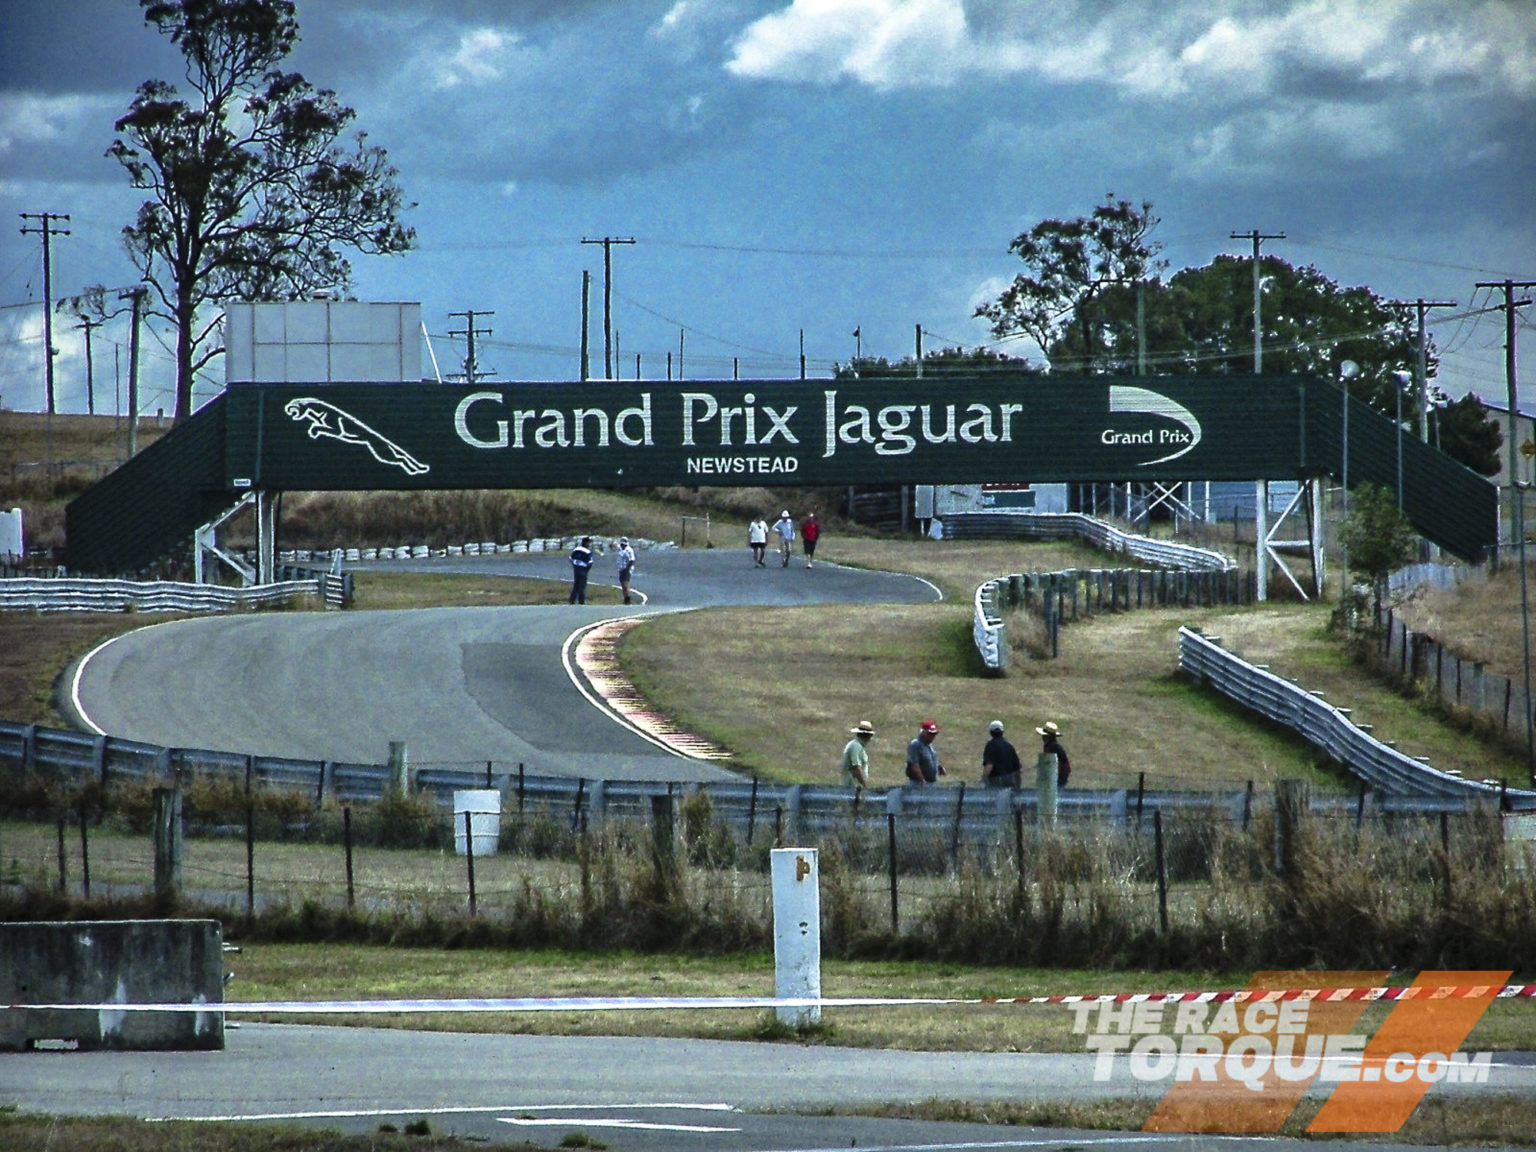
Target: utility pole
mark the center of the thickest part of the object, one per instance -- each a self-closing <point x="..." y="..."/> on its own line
<point x="90" y="373"/>
<point x="136" y="295"/>
<point x="1517" y="529"/>
<point x="471" y="365"/>
<point x="919" y="351"/>
<point x="1261" y="487"/>
<point x="608" y="242"/>
<point x="1516" y="501"/>
<point x="586" y="295"/>
<point x="46" y="229"/>
<point x="1421" y="358"/>
<point x="1258" y="329"/>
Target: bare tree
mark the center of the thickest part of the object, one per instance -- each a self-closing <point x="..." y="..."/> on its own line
<point x="1068" y="263"/>
<point x="254" y="192"/>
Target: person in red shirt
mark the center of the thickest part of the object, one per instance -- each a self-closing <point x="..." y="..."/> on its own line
<point x="810" y="532"/>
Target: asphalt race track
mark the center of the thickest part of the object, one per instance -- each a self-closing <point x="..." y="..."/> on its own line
<point x="458" y="685"/>
<point x="466" y="685"/>
<point x="634" y="1094"/>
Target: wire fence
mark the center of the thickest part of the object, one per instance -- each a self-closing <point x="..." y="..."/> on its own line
<point x="1183" y="879"/>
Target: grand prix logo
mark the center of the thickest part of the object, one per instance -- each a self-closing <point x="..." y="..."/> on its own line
<point x="330" y="421"/>
<point x="1124" y="398"/>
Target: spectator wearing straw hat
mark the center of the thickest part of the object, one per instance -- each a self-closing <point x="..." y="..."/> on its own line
<point x="923" y="765"/>
<point x="1000" y="766"/>
<point x="1051" y="735"/>
<point x="855" y="768"/>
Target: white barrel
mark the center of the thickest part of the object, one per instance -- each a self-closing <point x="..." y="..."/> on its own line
<point x="483" y="806"/>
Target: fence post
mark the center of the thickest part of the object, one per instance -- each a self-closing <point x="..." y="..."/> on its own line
<point x="954" y="836"/>
<point x="664" y="832"/>
<point x="890" y="836"/>
<point x="250" y="857"/>
<point x="469" y="856"/>
<point x="167" y="835"/>
<point x="1018" y="848"/>
<point x="1162" y="869"/>
<point x="1247" y="805"/>
<point x="63" y="873"/>
<point x="346" y="840"/>
<point x="85" y="849"/>
<point x="1293" y="800"/>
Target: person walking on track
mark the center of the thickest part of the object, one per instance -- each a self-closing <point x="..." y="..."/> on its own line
<point x="784" y="526"/>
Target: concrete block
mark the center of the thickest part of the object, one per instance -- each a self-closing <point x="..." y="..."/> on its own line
<point x="111" y="962"/>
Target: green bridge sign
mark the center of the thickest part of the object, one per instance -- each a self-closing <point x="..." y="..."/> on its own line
<point x="714" y="432"/>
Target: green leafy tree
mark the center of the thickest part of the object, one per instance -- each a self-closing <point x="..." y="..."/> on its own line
<point x="1071" y="268"/>
<point x="1464" y="430"/>
<point x="1377" y="538"/>
<point x="945" y="362"/>
<point x="255" y="188"/>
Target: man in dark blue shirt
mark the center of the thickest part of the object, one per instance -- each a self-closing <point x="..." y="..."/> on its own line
<point x="1000" y="765"/>
<point x="581" y="564"/>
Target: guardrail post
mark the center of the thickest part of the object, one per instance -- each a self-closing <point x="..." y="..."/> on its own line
<point x="1045" y="789"/>
<point x="399" y="768"/>
<point x="167" y="836"/>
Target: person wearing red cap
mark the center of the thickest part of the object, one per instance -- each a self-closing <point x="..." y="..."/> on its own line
<point x="923" y="765"/>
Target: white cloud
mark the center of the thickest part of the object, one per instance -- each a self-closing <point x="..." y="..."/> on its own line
<point x="1244" y="48"/>
<point x="882" y="43"/>
<point x="480" y="58"/>
<point x="31" y="118"/>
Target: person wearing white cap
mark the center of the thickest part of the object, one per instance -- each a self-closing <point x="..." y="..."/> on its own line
<point x="784" y="526"/>
<point x="855" y="767"/>
<point x="626" y="559"/>
<point x="1000" y="766"/>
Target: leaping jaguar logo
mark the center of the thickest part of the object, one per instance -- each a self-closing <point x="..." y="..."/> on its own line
<point x="328" y="420"/>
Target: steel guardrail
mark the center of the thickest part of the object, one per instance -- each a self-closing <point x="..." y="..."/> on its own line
<point x="1330" y="728"/>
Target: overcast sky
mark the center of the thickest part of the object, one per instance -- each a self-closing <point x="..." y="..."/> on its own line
<point x="823" y="165"/>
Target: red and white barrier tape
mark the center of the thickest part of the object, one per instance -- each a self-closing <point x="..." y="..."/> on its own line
<point x="652" y="1003"/>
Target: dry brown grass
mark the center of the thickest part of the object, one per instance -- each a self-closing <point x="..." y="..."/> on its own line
<point x="1480" y="619"/>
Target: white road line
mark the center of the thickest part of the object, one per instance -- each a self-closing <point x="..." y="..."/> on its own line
<point x="476" y="1109"/>
<point x="609" y="1122"/>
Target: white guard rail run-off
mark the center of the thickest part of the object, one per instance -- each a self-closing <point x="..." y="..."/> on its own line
<point x="1381" y="766"/>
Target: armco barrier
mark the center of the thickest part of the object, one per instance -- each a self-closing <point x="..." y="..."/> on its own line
<point x="1100" y="533"/>
<point x="1383" y="767"/>
<point x="953" y="815"/>
<point x="70" y="595"/>
<point x="989" y="630"/>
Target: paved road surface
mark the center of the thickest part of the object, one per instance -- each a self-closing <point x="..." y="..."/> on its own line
<point x="695" y="1094"/>
<point x="458" y="685"/>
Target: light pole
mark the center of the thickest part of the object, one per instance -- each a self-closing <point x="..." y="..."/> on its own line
<point x="1348" y="370"/>
<point x="1403" y="379"/>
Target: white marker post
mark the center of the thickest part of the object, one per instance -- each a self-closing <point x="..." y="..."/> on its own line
<point x="797" y="933"/>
